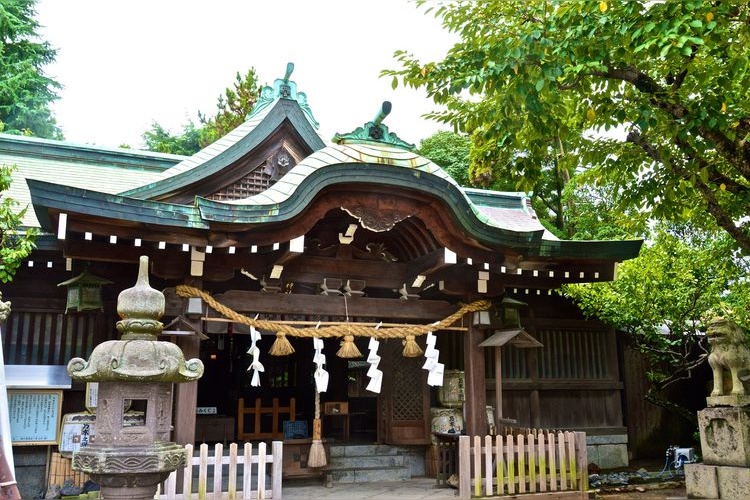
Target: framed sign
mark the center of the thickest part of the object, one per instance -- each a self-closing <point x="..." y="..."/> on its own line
<point x="76" y="432"/>
<point x="34" y="416"/>
<point x="92" y="394"/>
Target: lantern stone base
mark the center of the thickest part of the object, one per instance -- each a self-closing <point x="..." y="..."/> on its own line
<point x="130" y="472"/>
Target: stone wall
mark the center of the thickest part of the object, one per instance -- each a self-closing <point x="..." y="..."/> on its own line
<point x="31" y="469"/>
<point x="608" y="451"/>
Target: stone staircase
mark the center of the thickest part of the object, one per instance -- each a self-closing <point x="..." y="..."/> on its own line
<point x="374" y="463"/>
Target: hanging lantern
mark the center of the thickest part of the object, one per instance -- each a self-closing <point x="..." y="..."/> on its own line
<point x="84" y="292"/>
<point x="510" y="312"/>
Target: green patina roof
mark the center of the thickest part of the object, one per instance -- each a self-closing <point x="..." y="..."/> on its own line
<point x="78" y="165"/>
<point x="369" y="155"/>
<point x="94" y="203"/>
<point x="383" y="165"/>
<point x="275" y="105"/>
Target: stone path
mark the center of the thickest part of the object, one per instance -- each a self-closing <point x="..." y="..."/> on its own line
<point x="414" y="489"/>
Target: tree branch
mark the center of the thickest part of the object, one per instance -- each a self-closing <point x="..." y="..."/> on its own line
<point x="738" y="156"/>
<point x="722" y="218"/>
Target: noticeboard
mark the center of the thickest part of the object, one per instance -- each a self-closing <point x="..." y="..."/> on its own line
<point x="34" y="416"/>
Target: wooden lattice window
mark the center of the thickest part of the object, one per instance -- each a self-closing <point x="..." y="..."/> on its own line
<point x="53" y="338"/>
<point x="253" y="183"/>
<point x="407" y="385"/>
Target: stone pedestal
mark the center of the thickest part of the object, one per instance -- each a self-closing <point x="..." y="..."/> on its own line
<point x="717" y="481"/>
<point x="725" y="443"/>
<point x="725" y="436"/>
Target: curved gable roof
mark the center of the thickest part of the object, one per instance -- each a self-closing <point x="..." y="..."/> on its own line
<point x="368" y="166"/>
<point x="230" y="148"/>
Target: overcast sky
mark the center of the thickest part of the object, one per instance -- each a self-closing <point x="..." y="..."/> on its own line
<point x="125" y="64"/>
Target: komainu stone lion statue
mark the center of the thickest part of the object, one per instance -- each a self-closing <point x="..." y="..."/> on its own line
<point x="729" y="351"/>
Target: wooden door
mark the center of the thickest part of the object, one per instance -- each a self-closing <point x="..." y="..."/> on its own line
<point x="404" y="402"/>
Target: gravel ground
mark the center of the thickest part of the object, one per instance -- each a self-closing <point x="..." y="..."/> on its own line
<point x="664" y="491"/>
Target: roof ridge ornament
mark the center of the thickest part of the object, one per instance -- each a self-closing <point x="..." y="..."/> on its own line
<point x="374" y="131"/>
<point x="283" y="88"/>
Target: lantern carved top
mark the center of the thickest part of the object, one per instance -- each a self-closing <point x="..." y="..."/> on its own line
<point x="137" y="356"/>
<point x="140" y="308"/>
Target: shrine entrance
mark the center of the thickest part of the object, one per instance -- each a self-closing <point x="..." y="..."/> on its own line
<point x="404" y="405"/>
<point x="349" y="413"/>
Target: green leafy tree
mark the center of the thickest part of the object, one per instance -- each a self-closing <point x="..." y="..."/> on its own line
<point x="449" y="151"/>
<point x="662" y="300"/>
<point x="25" y="91"/>
<point x="589" y="213"/>
<point x="16" y="243"/>
<point x="159" y="139"/>
<point x="648" y="97"/>
<point x="233" y="106"/>
<point x="551" y="196"/>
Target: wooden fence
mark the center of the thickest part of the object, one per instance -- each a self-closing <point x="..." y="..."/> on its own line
<point x="535" y="464"/>
<point x="61" y="470"/>
<point x="254" y="470"/>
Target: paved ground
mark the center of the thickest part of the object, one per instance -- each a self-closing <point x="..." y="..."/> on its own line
<point x="415" y="489"/>
<point x="424" y="489"/>
<point x="665" y="494"/>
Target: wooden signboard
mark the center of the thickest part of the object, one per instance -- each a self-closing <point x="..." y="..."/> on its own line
<point x="34" y="416"/>
<point x="92" y="395"/>
<point x="76" y="432"/>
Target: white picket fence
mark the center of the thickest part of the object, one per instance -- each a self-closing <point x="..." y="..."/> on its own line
<point x="254" y="469"/>
<point x="531" y="464"/>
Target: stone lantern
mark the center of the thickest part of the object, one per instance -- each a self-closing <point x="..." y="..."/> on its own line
<point x="129" y="461"/>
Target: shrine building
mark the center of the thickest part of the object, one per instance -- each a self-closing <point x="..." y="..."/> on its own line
<point x="301" y="236"/>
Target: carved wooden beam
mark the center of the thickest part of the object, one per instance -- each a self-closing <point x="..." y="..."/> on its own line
<point x="251" y="303"/>
<point x="423" y="267"/>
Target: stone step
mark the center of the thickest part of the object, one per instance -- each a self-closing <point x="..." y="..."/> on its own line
<point x="366" y="461"/>
<point x="369" y="463"/>
<point x="368" y="475"/>
<point x="360" y="450"/>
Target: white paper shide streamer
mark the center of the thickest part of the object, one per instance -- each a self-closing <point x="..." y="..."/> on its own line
<point x="376" y="375"/>
<point x="321" y="375"/>
<point x="435" y="369"/>
<point x="255" y="366"/>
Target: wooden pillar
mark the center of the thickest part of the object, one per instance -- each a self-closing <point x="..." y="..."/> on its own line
<point x="186" y="396"/>
<point x="498" y="384"/>
<point x="532" y="365"/>
<point x="475" y="407"/>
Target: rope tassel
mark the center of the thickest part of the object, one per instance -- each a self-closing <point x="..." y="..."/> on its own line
<point x="348" y="348"/>
<point x="411" y="348"/>
<point x="317" y="456"/>
<point x="281" y="346"/>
